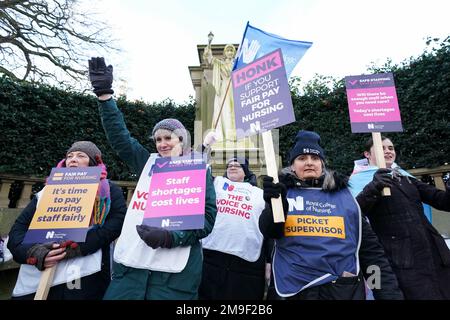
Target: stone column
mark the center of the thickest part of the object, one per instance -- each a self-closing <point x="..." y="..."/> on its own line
<point x="4" y="192"/>
<point x="25" y="194"/>
<point x="130" y="191"/>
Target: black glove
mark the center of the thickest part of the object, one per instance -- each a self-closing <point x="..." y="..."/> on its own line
<point x="37" y="253"/>
<point x="155" y="237"/>
<point x="382" y="179"/>
<point x="72" y="249"/>
<point x="273" y="190"/>
<point x="101" y="76"/>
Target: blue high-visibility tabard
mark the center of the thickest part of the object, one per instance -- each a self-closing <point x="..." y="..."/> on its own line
<point x="321" y="240"/>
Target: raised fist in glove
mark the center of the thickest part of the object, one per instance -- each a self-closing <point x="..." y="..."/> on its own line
<point x="101" y="76"/>
<point x="45" y="255"/>
<point x="155" y="237"/>
<point x="72" y="249"/>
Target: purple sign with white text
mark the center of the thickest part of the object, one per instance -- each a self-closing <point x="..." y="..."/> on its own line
<point x="262" y="100"/>
<point x="372" y="103"/>
<point x="176" y="199"/>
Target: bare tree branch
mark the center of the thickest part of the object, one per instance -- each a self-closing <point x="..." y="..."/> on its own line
<point x="40" y="36"/>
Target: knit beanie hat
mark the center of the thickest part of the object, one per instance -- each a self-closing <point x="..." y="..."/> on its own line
<point x="175" y="126"/>
<point x="243" y="162"/>
<point x="89" y="148"/>
<point x="306" y="142"/>
<point x="249" y="175"/>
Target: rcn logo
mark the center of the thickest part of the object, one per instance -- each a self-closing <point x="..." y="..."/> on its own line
<point x="249" y="50"/>
<point x="165" y="223"/>
<point x="50" y="235"/>
<point x="228" y="187"/>
<point x="255" y="127"/>
<point x="370" y="126"/>
<point x="296" y="204"/>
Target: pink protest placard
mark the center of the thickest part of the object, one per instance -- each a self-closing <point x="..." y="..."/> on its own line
<point x="372" y="103"/>
<point x="176" y="199"/>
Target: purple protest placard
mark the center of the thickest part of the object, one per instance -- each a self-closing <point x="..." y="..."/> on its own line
<point x="65" y="206"/>
<point x="372" y="103"/>
<point x="262" y="100"/>
<point x="176" y="199"/>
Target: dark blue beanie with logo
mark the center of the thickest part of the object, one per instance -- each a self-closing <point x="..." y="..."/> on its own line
<point x="306" y="142"/>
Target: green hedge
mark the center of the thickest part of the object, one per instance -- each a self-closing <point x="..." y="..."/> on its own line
<point x="40" y="122"/>
<point x="423" y="90"/>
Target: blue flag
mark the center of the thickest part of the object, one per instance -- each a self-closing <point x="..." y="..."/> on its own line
<point x="257" y="43"/>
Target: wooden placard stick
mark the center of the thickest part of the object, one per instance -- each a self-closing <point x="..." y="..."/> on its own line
<point x="45" y="283"/>
<point x="221" y="106"/>
<point x="272" y="171"/>
<point x="379" y="157"/>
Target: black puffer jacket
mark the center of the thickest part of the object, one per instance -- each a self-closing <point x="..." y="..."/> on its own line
<point x="371" y="252"/>
<point x="416" y="250"/>
<point x="93" y="286"/>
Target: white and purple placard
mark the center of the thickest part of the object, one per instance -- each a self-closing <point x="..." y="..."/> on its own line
<point x="372" y="103"/>
<point x="262" y="100"/>
<point x="176" y="199"/>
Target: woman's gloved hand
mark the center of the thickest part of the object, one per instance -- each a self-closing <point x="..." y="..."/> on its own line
<point x="155" y="237"/>
<point x="45" y="255"/>
<point x="72" y="249"/>
<point x="273" y="190"/>
<point x="101" y="76"/>
<point x="382" y="179"/>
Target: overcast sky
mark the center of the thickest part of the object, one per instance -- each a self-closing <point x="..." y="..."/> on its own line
<point x="159" y="38"/>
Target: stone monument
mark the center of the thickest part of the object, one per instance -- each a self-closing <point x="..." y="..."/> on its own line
<point x="215" y="109"/>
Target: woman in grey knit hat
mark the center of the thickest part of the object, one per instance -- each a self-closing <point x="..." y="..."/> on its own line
<point x="151" y="263"/>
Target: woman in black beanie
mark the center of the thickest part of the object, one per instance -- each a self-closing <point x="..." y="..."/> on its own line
<point x="324" y="248"/>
